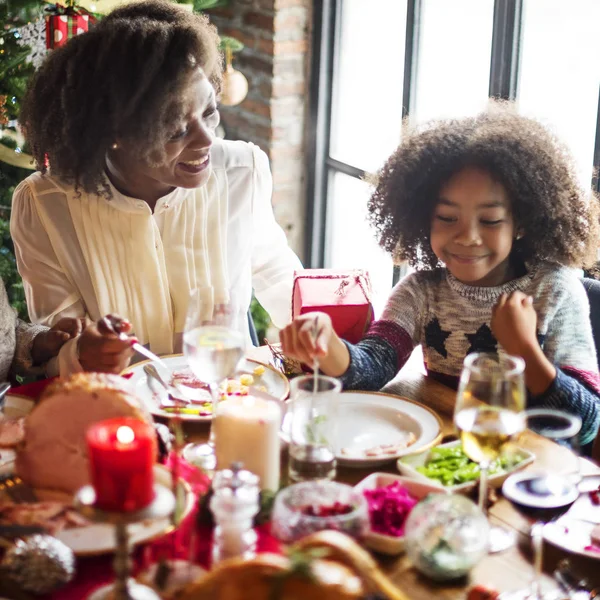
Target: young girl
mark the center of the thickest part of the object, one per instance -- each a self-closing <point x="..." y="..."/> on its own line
<point x="489" y="212"/>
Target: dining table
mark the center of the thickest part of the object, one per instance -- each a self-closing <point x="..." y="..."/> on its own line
<point x="504" y="571"/>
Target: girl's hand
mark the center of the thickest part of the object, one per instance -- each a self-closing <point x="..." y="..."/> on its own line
<point x="46" y="345"/>
<point x="307" y="337"/>
<point x="105" y="346"/>
<point x="514" y="322"/>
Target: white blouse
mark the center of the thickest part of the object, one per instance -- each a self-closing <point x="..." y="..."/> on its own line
<point x="84" y="255"/>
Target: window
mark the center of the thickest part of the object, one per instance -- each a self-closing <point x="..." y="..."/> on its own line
<point x="428" y="59"/>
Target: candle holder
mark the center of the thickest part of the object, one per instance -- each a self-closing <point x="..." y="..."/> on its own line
<point x="124" y="587"/>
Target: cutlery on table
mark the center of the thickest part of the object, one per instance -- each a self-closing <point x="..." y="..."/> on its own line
<point x="577" y="587"/>
<point x="113" y="325"/>
<point x="4" y="387"/>
<point x="15" y="531"/>
<point x="174" y="392"/>
<point x="17" y="490"/>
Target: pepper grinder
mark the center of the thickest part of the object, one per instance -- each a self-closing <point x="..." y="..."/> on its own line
<point x="234" y="505"/>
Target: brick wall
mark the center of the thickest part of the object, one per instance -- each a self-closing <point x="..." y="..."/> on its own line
<point x="275" y="62"/>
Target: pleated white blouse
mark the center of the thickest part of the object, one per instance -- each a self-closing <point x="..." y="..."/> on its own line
<point x="84" y="255"/>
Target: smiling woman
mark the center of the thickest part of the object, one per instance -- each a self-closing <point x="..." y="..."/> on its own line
<point x="136" y="202"/>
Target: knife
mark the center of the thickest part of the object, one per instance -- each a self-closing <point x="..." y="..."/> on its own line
<point x="113" y="324"/>
<point x="147" y="353"/>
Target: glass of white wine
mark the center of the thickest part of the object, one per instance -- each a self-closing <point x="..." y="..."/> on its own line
<point x="214" y="344"/>
<point x="489" y="413"/>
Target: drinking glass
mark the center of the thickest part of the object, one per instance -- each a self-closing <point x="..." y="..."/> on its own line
<point x="213" y="343"/>
<point x="544" y="496"/>
<point x="489" y="414"/>
<point x="313" y="439"/>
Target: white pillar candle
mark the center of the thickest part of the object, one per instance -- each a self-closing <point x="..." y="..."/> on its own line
<point x="246" y="430"/>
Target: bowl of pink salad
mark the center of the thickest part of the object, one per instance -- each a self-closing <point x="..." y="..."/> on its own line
<point x="390" y="499"/>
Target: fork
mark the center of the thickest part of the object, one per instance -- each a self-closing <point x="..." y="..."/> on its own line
<point x="17" y="490"/>
<point x="173" y="391"/>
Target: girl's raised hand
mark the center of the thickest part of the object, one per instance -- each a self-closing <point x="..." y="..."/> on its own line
<point x="514" y="322"/>
<point x="307" y="337"/>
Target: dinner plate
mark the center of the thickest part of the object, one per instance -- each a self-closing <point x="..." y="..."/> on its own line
<point x="368" y="420"/>
<point x="572" y="536"/>
<point x="97" y="538"/>
<point x="14" y="407"/>
<point x="274" y="381"/>
<point x="408" y="466"/>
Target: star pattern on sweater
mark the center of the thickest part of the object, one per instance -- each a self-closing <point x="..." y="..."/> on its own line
<point x="482" y="340"/>
<point x="435" y="337"/>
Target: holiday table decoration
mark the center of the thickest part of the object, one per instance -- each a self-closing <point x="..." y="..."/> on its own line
<point x="162" y="504"/>
<point x="122" y="452"/>
<point x="38" y="564"/>
<point x="64" y="22"/>
<point x="246" y="430"/>
<point x="344" y="295"/>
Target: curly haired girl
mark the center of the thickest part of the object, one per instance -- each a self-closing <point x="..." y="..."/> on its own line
<point x="489" y="212"/>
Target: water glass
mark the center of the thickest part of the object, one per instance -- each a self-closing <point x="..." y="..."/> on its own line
<point x="313" y="421"/>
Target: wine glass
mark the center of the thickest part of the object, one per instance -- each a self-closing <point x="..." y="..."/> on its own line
<point x="488" y="414"/>
<point x="213" y="343"/>
<point x="544" y="496"/>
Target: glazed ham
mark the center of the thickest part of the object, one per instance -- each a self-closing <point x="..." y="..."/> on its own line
<point x="53" y="455"/>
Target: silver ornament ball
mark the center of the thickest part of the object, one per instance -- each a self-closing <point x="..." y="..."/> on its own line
<point x="39" y="563"/>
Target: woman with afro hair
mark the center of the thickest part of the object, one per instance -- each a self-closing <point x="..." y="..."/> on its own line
<point x="135" y="202"/>
<point x="489" y="212"/>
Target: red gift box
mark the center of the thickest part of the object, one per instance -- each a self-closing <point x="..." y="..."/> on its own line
<point x="61" y="28"/>
<point x="344" y="295"/>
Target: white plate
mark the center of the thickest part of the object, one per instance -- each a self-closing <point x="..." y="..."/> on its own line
<point x="389" y="544"/>
<point x="14" y="407"/>
<point x="369" y="419"/>
<point x="571" y="536"/>
<point x="276" y="383"/>
<point x="99" y="539"/>
<point x="408" y="467"/>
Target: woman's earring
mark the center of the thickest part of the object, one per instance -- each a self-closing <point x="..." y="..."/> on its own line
<point x="114" y="146"/>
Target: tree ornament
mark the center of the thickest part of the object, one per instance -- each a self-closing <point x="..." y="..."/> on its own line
<point x="3" y="112"/>
<point x="39" y="563"/>
<point x="33" y="35"/>
<point x="235" y="84"/>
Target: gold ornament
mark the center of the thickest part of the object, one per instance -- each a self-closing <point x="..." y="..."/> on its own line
<point x="3" y="112"/>
<point x="235" y="84"/>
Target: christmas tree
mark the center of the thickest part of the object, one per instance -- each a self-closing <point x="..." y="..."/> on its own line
<point x="16" y="68"/>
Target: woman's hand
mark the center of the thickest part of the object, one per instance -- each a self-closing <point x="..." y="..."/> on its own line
<point x="105" y="345"/>
<point x="46" y="345"/>
<point x="311" y="336"/>
<point x="514" y="322"/>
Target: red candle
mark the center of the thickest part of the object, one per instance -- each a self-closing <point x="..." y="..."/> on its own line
<point x="122" y="452"/>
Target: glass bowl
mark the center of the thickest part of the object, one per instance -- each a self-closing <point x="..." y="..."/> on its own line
<point x="311" y="506"/>
<point x="446" y="536"/>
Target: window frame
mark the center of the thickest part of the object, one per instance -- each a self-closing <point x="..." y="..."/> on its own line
<point x="504" y="67"/>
